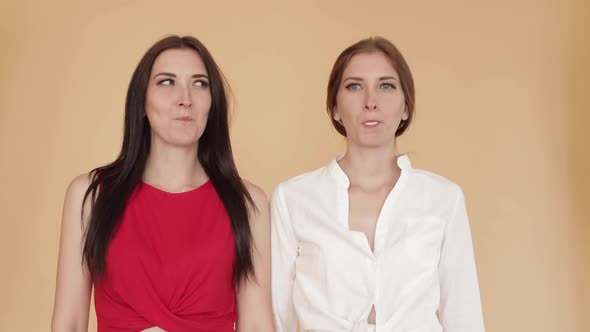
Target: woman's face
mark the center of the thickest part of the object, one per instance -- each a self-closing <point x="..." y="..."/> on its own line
<point x="370" y="102"/>
<point x="178" y="98"/>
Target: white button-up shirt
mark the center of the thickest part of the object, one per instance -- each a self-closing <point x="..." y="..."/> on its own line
<point x="421" y="276"/>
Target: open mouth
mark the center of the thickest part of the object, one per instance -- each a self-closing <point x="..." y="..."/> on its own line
<point x="371" y="123"/>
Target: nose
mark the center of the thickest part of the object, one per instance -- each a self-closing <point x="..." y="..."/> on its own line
<point x="370" y="102"/>
<point x="184" y="99"/>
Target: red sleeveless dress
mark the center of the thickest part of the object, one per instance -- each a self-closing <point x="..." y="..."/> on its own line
<point x="170" y="264"/>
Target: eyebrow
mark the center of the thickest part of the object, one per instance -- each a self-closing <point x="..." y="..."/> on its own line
<point x="383" y="78"/>
<point x="173" y="75"/>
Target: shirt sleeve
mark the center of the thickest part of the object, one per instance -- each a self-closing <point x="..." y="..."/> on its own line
<point x="460" y="304"/>
<point x="284" y="253"/>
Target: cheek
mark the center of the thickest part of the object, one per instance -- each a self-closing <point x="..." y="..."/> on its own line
<point x="346" y="103"/>
<point x="394" y="104"/>
<point x="157" y="122"/>
<point x="401" y="100"/>
<point x="202" y="114"/>
<point x="205" y="107"/>
<point x="155" y="102"/>
<point x="155" y="115"/>
<point x="202" y="102"/>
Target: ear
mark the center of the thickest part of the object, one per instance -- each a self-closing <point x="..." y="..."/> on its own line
<point x="406" y="114"/>
<point x="335" y="114"/>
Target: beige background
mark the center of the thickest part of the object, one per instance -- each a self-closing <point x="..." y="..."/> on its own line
<point x="503" y="109"/>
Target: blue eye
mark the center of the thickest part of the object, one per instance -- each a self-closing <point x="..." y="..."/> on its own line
<point x="201" y="84"/>
<point x="388" y="86"/>
<point x="167" y="81"/>
<point x="353" y="86"/>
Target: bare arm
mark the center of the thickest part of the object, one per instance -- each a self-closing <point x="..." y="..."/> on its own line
<point x="254" y="295"/>
<point x="73" y="285"/>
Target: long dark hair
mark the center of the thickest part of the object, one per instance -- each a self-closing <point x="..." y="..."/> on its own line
<point x="112" y="185"/>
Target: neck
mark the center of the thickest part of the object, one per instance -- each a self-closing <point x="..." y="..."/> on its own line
<point x="370" y="167"/>
<point x="173" y="168"/>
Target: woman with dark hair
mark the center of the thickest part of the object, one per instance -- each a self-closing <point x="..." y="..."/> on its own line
<point x="168" y="234"/>
<point x="369" y="243"/>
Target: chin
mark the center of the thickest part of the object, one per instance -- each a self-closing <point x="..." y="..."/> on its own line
<point x="187" y="143"/>
<point x="183" y="141"/>
<point x="374" y="145"/>
<point x="374" y="142"/>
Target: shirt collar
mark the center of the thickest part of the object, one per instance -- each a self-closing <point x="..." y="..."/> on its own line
<point x="336" y="171"/>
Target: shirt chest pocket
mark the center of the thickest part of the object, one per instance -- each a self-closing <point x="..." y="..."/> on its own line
<point x="309" y="257"/>
<point x="423" y="240"/>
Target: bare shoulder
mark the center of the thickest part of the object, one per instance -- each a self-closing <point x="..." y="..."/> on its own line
<point x="79" y="185"/>
<point x="74" y="200"/>
<point x="258" y="195"/>
<point x="77" y="188"/>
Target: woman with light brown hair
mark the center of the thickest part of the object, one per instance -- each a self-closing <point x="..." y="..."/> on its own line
<point x="369" y="243"/>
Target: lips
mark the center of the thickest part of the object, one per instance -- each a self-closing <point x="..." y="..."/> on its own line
<point x="184" y="118"/>
<point x="371" y="123"/>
